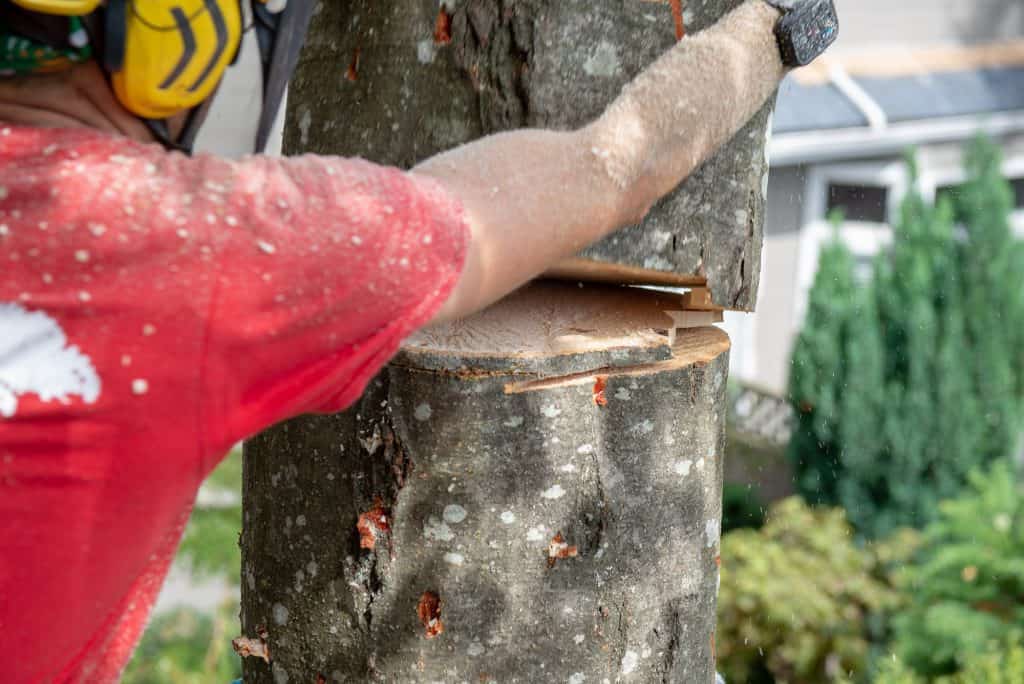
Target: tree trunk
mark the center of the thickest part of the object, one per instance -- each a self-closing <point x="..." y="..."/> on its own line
<point x="530" y="495"/>
<point x="382" y="80"/>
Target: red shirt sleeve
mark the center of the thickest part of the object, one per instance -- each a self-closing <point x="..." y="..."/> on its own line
<point x="155" y="309"/>
<point x="323" y="267"/>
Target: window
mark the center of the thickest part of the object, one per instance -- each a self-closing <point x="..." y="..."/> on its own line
<point x="862" y="203"/>
<point x="954" y="192"/>
<point x="1018" y="192"/>
<point x="1017" y="217"/>
<point x="865" y="192"/>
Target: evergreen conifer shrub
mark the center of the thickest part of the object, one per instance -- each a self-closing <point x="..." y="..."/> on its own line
<point x="905" y="384"/>
<point x="966" y="588"/>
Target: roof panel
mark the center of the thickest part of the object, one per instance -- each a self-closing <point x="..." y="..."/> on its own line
<point x="808" y="108"/>
<point x="951" y="93"/>
<point x="919" y="97"/>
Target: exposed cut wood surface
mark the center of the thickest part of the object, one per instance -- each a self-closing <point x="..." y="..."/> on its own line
<point x="589" y="270"/>
<point x="695" y="346"/>
<point x="699" y="299"/>
<point x="684" y="320"/>
<point x="551" y="318"/>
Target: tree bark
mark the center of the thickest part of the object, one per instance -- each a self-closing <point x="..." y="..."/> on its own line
<point x="380" y="80"/>
<point x="533" y="494"/>
<point x="549" y="471"/>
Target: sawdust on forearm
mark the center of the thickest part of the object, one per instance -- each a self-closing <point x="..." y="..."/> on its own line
<point x="689" y="102"/>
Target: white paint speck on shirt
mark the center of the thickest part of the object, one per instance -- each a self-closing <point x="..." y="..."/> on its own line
<point x="35" y="359"/>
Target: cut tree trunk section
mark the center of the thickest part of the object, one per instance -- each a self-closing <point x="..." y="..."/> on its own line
<point x="396" y="82"/>
<point x="529" y="495"/>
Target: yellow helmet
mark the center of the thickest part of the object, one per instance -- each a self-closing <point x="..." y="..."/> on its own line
<point x="168" y="56"/>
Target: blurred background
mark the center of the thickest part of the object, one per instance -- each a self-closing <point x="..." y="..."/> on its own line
<point x="874" y="524"/>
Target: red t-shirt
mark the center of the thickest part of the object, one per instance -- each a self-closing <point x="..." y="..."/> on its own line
<point x="154" y="310"/>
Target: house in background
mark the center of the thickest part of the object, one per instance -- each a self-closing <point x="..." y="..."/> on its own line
<point x="927" y="74"/>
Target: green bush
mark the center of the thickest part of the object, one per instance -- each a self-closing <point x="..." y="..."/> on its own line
<point x="818" y="363"/>
<point x="967" y="588"/>
<point x="209" y="546"/>
<point x="992" y="288"/>
<point x="904" y="385"/>
<point x="797" y="598"/>
<point x="186" y="646"/>
<point x="1002" y="662"/>
<point x="741" y="507"/>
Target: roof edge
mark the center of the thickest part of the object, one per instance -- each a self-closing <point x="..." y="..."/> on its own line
<point x="792" y="149"/>
<point x="900" y="62"/>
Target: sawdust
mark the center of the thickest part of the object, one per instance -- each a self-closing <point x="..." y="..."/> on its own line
<point x="691" y="100"/>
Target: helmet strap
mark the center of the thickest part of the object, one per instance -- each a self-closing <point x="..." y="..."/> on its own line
<point x="186" y="140"/>
<point x="280" y="38"/>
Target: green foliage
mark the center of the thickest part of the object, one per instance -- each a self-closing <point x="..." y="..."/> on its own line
<point x="741" y="507"/>
<point x="904" y="385"/>
<point x="1002" y="662"/>
<point x="992" y="294"/>
<point x="927" y="390"/>
<point x="210" y="543"/>
<point x="967" y="589"/>
<point x="187" y="647"/>
<point x="227" y="476"/>
<point x="796" y="597"/>
<point x="997" y="666"/>
<point x="862" y="401"/>
<point x="818" y="361"/>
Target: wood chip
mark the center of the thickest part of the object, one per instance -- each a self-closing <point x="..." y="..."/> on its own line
<point x="247" y="647"/>
<point x="372" y="524"/>
<point x="429" y="611"/>
<point x="443" y="27"/>
<point x="558" y="549"/>
<point x="677" y="15"/>
<point x="353" y="68"/>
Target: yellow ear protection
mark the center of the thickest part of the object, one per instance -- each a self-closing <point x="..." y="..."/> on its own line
<point x="63" y="7"/>
<point x="168" y="56"/>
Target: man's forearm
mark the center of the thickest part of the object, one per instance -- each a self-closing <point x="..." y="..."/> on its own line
<point x="532" y="197"/>
<point x="535" y="197"/>
<point x="687" y="104"/>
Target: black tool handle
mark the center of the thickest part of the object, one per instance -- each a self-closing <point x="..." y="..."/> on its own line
<point x="806" y="30"/>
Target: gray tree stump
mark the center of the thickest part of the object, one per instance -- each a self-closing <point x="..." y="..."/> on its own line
<point x="529" y="495"/>
<point x="380" y="80"/>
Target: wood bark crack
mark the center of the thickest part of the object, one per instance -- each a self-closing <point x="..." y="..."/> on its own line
<point x="493" y="45"/>
<point x="673" y="621"/>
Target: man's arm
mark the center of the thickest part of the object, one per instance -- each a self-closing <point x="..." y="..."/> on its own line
<point x="535" y="197"/>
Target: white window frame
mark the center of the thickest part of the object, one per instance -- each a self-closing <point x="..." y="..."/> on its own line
<point x="934" y="178"/>
<point x="742" y="330"/>
<point x="864" y="239"/>
<point x="867" y="239"/>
